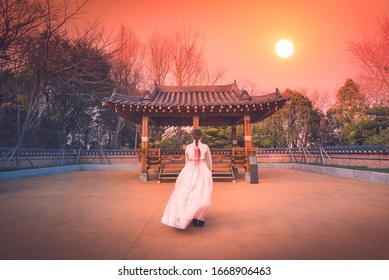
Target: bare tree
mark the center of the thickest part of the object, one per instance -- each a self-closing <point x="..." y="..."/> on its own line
<point x="23" y="78"/>
<point x="372" y="64"/>
<point x="320" y="99"/>
<point x="179" y="59"/>
<point x="82" y="78"/>
<point x="213" y="77"/>
<point x="251" y="87"/>
<point x="17" y="20"/>
<point x="56" y="66"/>
<point x="159" y="57"/>
<point x="39" y="45"/>
<point x="188" y="65"/>
<point x="127" y="63"/>
<point x="127" y="69"/>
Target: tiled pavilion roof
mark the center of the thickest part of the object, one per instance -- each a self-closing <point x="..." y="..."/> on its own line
<point x="172" y="105"/>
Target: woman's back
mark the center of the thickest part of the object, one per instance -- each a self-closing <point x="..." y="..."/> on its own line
<point x="193" y="188"/>
<point x="205" y="153"/>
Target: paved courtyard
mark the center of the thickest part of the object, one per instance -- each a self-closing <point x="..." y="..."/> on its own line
<point x="290" y="214"/>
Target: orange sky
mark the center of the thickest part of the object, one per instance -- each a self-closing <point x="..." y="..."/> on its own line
<point x="240" y="35"/>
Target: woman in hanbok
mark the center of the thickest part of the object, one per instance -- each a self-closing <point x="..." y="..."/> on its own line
<point x="191" y="197"/>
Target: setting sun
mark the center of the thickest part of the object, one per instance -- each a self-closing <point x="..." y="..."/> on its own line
<point x="284" y="48"/>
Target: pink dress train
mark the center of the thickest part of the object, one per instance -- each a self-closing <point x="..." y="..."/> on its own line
<point x="191" y="197"/>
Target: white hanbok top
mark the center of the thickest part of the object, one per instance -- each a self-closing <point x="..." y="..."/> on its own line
<point x="205" y="153"/>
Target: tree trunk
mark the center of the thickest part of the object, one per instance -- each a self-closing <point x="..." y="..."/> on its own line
<point x="86" y="140"/>
<point x="119" y="126"/>
<point x="321" y="155"/>
<point x="179" y="133"/>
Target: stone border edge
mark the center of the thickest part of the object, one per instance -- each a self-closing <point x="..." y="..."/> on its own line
<point x="45" y="171"/>
<point x="371" y="176"/>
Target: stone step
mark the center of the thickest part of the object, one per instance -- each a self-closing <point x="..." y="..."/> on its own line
<point x="220" y="174"/>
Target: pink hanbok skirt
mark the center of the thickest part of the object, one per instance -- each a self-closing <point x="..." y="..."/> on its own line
<point x="191" y="197"/>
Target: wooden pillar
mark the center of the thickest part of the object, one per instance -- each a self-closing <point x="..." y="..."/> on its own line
<point x="234" y="140"/>
<point x="247" y="144"/>
<point x="157" y="144"/>
<point x="144" y="175"/>
<point x="196" y="122"/>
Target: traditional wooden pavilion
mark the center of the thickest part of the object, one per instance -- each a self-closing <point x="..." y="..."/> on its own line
<point x="194" y="106"/>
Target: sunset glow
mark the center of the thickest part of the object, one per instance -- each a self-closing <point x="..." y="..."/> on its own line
<point x="239" y="36"/>
<point x="284" y="48"/>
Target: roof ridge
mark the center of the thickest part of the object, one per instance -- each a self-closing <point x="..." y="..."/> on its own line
<point x="168" y="88"/>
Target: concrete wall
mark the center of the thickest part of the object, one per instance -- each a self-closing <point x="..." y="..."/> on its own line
<point x="26" y="173"/>
<point x="377" y="177"/>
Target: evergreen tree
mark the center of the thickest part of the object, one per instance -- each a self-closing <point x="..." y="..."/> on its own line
<point x="374" y="130"/>
<point x="349" y="109"/>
